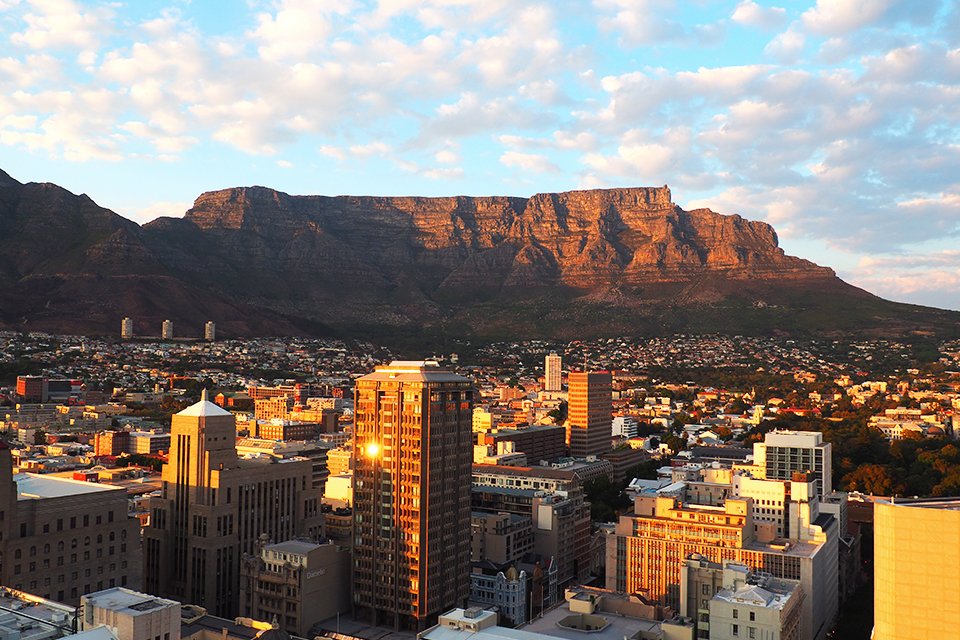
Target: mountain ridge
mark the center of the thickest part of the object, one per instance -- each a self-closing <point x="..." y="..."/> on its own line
<point x="570" y="264"/>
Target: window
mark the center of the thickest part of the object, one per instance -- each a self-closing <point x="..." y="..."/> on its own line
<point x="736" y="614"/>
<point x="753" y="616"/>
<point x="735" y="631"/>
<point x="752" y="632"/>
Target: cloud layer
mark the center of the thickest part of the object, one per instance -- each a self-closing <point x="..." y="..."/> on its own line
<point x="835" y="120"/>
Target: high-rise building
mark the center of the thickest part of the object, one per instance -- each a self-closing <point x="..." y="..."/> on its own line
<point x="210" y="331"/>
<point x="590" y="413"/>
<point x="783" y="453"/>
<point x="552" y="372"/>
<point x="414" y="450"/>
<point x="214" y="507"/>
<point x="166" y="330"/>
<point x="32" y="388"/>
<point x="126" y="328"/>
<point x="916" y="557"/>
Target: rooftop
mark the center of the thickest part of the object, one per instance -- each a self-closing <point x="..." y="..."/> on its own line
<point x="618" y="626"/>
<point x="204" y="408"/>
<point x="293" y="546"/>
<point x="413" y="371"/>
<point x="951" y="504"/>
<point x="127" y="601"/>
<point x="33" y="486"/>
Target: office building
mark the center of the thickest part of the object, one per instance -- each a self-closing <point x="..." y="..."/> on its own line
<point x="646" y="552"/>
<point x="32" y="388"/>
<point x="783" y="453"/>
<point x="131" y="615"/>
<point x="916" y="583"/>
<point x="214" y="506"/>
<point x="552" y="373"/>
<point x="210" y="331"/>
<point x="539" y="443"/>
<point x="412" y="493"/>
<point x="295" y="583"/>
<point x="62" y="538"/>
<point x="112" y="443"/>
<point x="126" y="328"/>
<point x="148" y="443"/>
<point x="589" y="413"/>
<point x="728" y="601"/>
<point x="553" y="500"/>
<point x="166" y="330"/>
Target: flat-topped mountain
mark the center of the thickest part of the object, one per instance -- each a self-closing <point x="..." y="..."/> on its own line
<point x="574" y="264"/>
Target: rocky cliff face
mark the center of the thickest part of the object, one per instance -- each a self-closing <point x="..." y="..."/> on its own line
<point x="580" y="263"/>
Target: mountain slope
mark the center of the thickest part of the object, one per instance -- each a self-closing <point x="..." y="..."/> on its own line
<point x="574" y="264"/>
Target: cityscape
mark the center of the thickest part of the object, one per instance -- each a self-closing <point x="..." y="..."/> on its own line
<point x="690" y="487"/>
<point x="480" y="320"/>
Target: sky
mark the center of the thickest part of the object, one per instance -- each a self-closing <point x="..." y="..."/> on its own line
<point x="836" y="121"/>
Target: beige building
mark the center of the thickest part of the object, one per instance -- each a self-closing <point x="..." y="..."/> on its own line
<point x="916" y="562"/>
<point x="500" y="537"/>
<point x="552" y="372"/>
<point x="131" y="615"/>
<point x="62" y="538"/>
<point x="646" y="552"/>
<point x="214" y="506"/>
<point x="412" y="493"/>
<point x="295" y="583"/>
<point x="166" y="330"/>
<point x="126" y="328"/>
<point x="210" y="331"/>
<point x="590" y="413"/>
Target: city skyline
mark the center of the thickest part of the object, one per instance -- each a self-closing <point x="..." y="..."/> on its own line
<point x="829" y="119"/>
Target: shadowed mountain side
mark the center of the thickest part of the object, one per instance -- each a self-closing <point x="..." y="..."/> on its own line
<point x="575" y="264"/>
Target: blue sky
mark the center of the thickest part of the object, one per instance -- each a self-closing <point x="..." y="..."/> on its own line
<point x="834" y="120"/>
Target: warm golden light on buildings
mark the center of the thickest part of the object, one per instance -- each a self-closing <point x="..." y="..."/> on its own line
<point x="413" y="435"/>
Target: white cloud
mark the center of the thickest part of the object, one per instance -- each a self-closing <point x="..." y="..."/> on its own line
<point x="59" y="24"/>
<point x="786" y="46"/>
<point x="751" y="14"/>
<point x="528" y="162"/>
<point x="838" y="17"/>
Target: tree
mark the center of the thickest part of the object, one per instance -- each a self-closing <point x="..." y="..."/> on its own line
<point x="874" y="479"/>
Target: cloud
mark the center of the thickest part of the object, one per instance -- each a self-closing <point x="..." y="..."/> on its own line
<point x="837" y="17"/>
<point x="528" y="162"/>
<point x="62" y="24"/>
<point x="751" y="14"/>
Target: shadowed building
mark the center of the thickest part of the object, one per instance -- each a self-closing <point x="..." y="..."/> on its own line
<point x="412" y="493"/>
<point x="214" y="507"/>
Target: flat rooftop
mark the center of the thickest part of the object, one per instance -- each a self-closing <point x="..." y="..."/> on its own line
<point x="618" y="627"/>
<point x="128" y="601"/>
<point x="951" y="504"/>
<point x="34" y="486"/>
<point x="293" y="546"/>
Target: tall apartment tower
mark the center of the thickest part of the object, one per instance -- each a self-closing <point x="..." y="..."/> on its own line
<point x="214" y="507"/>
<point x="414" y="450"/>
<point x="210" y="331"/>
<point x="126" y="328"/>
<point x="590" y="413"/>
<point x="552" y="367"/>
<point x="166" y="330"/>
<point x="916" y="557"/>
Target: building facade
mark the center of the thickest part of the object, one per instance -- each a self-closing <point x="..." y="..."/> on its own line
<point x="553" y="373"/>
<point x="166" y="330"/>
<point x="916" y="557"/>
<point x="126" y="328"/>
<point x="214" y="507"/>
<point x="63" y="538"/>
<point x="783" y="453"/>
<point x="590" y="413"/>
<point x="210" y="331"/>
<point x="412" y="492"/>
<point x="295" y="583"/>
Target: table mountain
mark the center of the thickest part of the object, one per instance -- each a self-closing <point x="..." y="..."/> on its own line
<point x="575" y="264"/>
